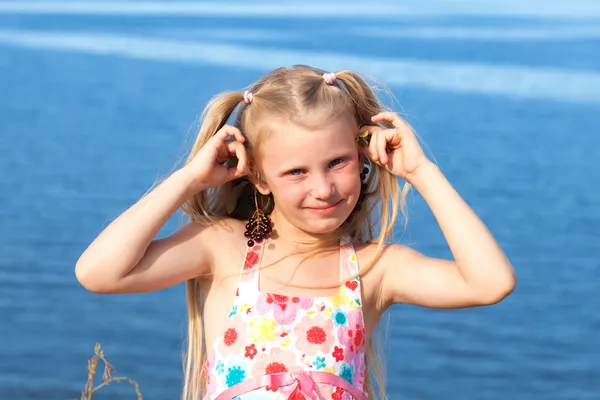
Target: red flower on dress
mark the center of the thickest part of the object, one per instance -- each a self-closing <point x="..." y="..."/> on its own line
<point x="337" y="395"/>
<point x="353" y="336"/>
<point x="338" y="354"/>
<point x="211" y="381"/>
<point x="234" y="337"/>
<point x="314" y="335"/>
<point x="297" y="395"/>
<point x="274" y="361"/>
<point x="285" y="309"/>
<point x="251" y="258"/>
<point x="251" y="351"/>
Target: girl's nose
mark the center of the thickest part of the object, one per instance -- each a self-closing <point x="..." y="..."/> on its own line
<point x="323" y="187"/>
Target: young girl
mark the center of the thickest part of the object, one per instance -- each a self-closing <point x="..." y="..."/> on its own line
<point x="286" y="279"/>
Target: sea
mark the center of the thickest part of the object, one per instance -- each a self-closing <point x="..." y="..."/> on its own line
<point x="101" y="99"/>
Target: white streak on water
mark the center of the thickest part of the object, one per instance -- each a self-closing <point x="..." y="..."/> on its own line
<point x="513" y="81"/>
<point x="329" y="10"/>
<point x="238" y="35"/>
<point x="508" y="34"/>
<point x="487" y="34"/>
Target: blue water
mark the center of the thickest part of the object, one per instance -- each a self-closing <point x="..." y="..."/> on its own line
<point x="84" y="133"/>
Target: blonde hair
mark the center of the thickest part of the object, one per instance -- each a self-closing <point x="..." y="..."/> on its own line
<point x="297" y="95"/>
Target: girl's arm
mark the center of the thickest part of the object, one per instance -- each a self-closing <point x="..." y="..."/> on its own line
<point x="480" y="273"/>
<point x="125" y="258"/>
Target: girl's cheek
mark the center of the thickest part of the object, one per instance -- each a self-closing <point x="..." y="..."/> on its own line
<point x="289" y="190"/>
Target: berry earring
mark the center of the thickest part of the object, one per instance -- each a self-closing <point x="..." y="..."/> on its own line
<point x="258" y="227"/>
<point x="363" y="188"/>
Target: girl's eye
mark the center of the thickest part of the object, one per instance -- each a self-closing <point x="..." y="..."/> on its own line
<point x="294" y="172"/>
<point x="335" y="162"/>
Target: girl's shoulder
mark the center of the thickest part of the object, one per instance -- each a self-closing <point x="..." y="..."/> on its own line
<point x="372" y="265"/>
<point x="225" y="241"/>
<point x="368" y="250"/>
<point x="372" y="275"/>
<point x="392" y="254"/>
<point x="219" y="227"/>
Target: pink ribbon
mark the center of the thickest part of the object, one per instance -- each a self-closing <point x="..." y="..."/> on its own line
<point x="306" y="384"/>
<point x="248" y="96"/>
<point x="330" y="78"/>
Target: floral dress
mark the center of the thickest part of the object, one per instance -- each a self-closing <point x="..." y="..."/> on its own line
<point x="279" y="347"/>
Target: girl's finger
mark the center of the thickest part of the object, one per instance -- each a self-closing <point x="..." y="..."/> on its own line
<point x="381" y="148"/>
<point x="236" y="149"/>
<point x="393" y="139"/>
<point x="392" y="117"/>
<point x="233" y="148"/>
<point x="373" y="147"/>
<point x="240" y="153"/>
<point x="228" y="130"/>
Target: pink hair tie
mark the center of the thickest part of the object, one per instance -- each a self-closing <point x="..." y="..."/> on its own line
<point x="329" y="78"/>
<point x="248" y="96"/>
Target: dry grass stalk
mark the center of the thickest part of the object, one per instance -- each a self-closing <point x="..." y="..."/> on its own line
<point x="107" y="377"/>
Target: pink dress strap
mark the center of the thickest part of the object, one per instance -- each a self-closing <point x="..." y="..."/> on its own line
<point x="305" y="381"/>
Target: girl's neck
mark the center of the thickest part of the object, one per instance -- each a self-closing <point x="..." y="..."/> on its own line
<point x="283" y="230"/>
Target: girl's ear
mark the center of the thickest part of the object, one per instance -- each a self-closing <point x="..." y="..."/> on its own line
<point x="262" y="188"/>
<point x="261" y="185"/>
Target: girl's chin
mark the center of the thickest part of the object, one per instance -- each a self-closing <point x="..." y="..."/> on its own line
<point x="322" y="225"/>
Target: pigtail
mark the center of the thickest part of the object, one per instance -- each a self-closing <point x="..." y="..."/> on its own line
<point x="200" y="209"/>
<point x="214" y="117"/>
<point x="383" y="187"/>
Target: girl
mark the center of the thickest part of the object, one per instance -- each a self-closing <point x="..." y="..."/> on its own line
<point x="286" y="279"/>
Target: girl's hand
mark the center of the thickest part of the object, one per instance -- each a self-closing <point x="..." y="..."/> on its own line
<point x="207" y="169"/>
<point x="396" y="149"/>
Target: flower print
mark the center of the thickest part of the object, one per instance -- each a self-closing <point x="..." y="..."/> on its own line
<point x="219" y="367"/>
<point x="233" y="338"/>
<point x="338" y="353"/>
<point x="211" y="381"/>
<point x="233" y="311"/>
<point x="352" y="336"/>
<point x="359" y="374"/>
<point x="340" y="299"/>
<point x="319" y="363"/>
<point x="337" y="395"/>
<point x="252" y="258"/>
<point x="250" y="351"/>
<point x="235" y="375"/>
<point x="347" y="372"/>
<point x="284" y="308"/>
<point x="274" y="361"/>
<point x="314" y="335"/>
<point x="339" y="317"/>
<point x="264" y="330"/>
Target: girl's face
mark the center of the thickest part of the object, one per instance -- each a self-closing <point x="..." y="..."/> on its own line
<point x="314" y="176"/>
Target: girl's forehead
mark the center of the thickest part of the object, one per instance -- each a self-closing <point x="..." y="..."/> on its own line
<point x="293" y="136"/>
<point x="294" y="144"/>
